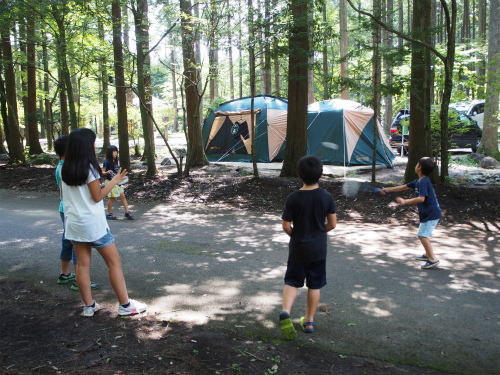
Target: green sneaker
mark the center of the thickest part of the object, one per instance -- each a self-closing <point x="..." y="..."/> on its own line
<point x="92" y="286"/>
<point x="64" y="279"/>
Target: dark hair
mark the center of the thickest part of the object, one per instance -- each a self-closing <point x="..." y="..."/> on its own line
<point x="60" y="145"/>
<point x="80" y="155"/>
<point x="310" y="169"/>
<point x="427" y="165"/>
<point x="109" y="153"/>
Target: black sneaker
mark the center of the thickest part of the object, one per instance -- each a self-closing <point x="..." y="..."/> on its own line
<point x="111" y="216"/>
<point x="129" y="216"/>
<point x="64" y="279"/>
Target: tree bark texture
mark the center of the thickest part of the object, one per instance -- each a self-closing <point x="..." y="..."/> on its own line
<point x="296" y="133"/>
<point x="31" y="121"/>
<point x="195" y="153"/>
<point x="144" y="82"/>
<point x="344" y="50"/>
<point x="121" y="91"/>
<point x="489" y="143"/>
<point x="420" y="124"/>
<point x="12" y="133"/>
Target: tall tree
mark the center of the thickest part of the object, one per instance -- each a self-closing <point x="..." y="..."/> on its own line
<point x="195" y="153"/>
<point x="376" y="79"/>
<point x="251" y="57"/>
<point x="106" y="133"/>
<point x="344" y="50"/>
<point x="121" y="90"/>
<point x="34" y="140"/>
<point x="12" y="133"/>
<point x="420" y="101"/>
<point x="489" y="143"/>
<point x="144" y="81"/>
<point x="277" y="88"/>
<point x="326" y="80"/>
<point x="46" y="89"/>
<point x="267" y="47"/>
<point x="213" y="53"/>
<point x="388" y="66"/>
<point x="59" y="12"/>
<point x="481" y="64"/>
<point x="296" y="132"/>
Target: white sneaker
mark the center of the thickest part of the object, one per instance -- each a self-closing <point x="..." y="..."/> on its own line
<point x="135" y="307"/>
<point x="90" y="310"/>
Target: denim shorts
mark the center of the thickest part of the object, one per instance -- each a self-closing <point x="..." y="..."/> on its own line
<point x="425" y="229"/>
<point x="314" y="273"/>
<point x="101" y="243"/>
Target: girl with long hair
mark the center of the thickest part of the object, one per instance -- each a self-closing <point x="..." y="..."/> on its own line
<point x="85" y="221"/>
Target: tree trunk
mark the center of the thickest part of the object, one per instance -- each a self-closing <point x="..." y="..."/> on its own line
<point x="63" y="105"/>
<point x="420" y="123"/>
<point x="144" y="81"/>
<point x="267" y="47"/>
<point x="46" y="88"/>
<point x="489" y="143"/>
<point x="174" y="90"/>
<point x="481" y="64"/>
<point x="23" y="93"/>
<point x="121" y="91"/>
<point x="63" y="62"/>
<point x="296" y="132"/>
<point x="377" y="80"/>
<point x="277" y="88"/>
<point x="31" y="121"/>
<point x="240" y="61"/>
<point x="230" y="55"/>
<point x="213" y="54"/>
<point x="344" y="50"/>
<point x="3" y="109"/>
<point x="126" y="42"/>
<point x="251" y="57"/>
<point x="195" y="153"/>
<point x="325" y="60"/>
<point x="388" y="68"/>
<point x="12" y="133"/>
<point x="106" y="133"/>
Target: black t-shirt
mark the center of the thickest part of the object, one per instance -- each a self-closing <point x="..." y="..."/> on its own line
<point x="307" y="210"/>
<point x="111" y="166"/>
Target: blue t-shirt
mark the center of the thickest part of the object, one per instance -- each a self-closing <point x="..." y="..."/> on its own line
<point x="307" y="210"/>
<point x="429" y="209"/>
<point x="110" y="166"/>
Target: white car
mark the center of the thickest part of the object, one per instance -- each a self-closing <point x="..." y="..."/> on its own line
<point x="474" y="109"/>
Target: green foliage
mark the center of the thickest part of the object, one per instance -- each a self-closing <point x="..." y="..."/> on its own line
<point x="42" y="159"/>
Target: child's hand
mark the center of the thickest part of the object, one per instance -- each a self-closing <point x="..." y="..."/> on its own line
<point x="400" y="200"/>
<point x="119" y="176"/>
<point x="383" y="191"/>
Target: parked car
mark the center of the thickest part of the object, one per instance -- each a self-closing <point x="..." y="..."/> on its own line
<point x="474" y="109"/>
<point x="464" y="132"/>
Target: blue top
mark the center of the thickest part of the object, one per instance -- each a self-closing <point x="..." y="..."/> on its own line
<point x="429" y="209"/>
<point x="58" y="179"/>
<point x="111" y="166"/>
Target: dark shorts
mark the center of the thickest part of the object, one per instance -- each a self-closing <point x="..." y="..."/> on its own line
<point x="314" y="273"/>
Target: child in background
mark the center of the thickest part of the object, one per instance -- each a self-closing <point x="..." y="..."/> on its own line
<point x="304" y="221"/>
<point x="85" y="221"/>
<point x="67" y="251"/>
<point x="110" y="168"/>
<point x="429" y="211"/>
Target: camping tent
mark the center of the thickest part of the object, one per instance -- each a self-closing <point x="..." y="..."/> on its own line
<point x="340" y="132"/>
<point x="226" y="131"/>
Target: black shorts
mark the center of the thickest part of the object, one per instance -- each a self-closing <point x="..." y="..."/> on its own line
<point x="314" y="273"/>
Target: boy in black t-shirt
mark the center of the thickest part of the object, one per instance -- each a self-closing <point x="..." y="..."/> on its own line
<point x="429" y="211"/>
<point x="304" y="221"/>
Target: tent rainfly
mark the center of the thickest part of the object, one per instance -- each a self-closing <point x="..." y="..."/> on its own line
<point x="226" y="131"/>
<point x="340" y="132"/>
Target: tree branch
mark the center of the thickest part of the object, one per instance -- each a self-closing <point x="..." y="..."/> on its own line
<point x="401" y="35"/>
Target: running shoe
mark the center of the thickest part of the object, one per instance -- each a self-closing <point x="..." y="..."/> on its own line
<point x="90" y="310"/>
<point x="129" y="216"/>
<point x="134" y="307"/>
<point x="111" y="216"/>
<point x="92" y="286"/>
<point x="64" y="279"/>
<point x="430" y="264"/>
<point x="422" y="257"/>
